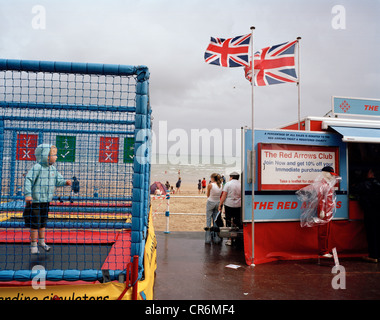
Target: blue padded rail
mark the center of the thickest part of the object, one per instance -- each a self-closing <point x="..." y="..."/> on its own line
<point x="59" y="275"/>
<point x="74" y="67"/>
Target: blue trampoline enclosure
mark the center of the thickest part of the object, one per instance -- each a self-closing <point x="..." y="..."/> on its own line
<point x="97" y="117"/>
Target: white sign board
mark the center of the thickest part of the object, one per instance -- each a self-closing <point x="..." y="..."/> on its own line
<point x="290" y="167"/>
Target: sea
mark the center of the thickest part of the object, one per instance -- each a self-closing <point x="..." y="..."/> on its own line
<point x="191" y="168"/>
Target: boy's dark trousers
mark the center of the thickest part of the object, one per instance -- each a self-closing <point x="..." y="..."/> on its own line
<point x="36" y="214"/>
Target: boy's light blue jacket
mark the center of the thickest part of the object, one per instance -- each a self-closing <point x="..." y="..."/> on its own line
<point x="41" y="180"/>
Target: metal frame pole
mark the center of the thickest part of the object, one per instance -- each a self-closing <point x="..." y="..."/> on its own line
<point x="253" y="147"/>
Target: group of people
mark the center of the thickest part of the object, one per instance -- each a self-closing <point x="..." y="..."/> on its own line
<point x="219" y="196"/>
<point x="171" y="188"/>
<point x="319" y="213"/>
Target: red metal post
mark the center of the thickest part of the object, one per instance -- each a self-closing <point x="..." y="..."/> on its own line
<point x="135" y="276"/>
<point x="128" y="282"/>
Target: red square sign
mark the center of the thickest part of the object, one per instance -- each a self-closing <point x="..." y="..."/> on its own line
<point x="109" y="150"/>
<point x="26" y="145"/>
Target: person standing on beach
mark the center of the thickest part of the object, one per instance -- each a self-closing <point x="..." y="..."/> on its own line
<point x="231" y="198"/>
<point x="199" y="186"/>
<point x="214" y="190"/>
<point x="178" y="185"/>
<point x="204" y="184"/>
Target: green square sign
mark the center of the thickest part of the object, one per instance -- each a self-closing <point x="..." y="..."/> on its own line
<point x="66" y="148"/>
<point x="129" y="146"/>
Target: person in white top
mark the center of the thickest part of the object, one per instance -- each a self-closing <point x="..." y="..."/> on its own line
<point x="214" y="190"/>
<point x="231" y="198"/>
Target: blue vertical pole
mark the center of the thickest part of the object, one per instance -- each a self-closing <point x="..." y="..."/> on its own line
<point x="40" y="138"/>
<point x="1" y="154"/>
<point x="13" y="163"/>
<point x="140" y="192"/>
<point x="167" y="212"/>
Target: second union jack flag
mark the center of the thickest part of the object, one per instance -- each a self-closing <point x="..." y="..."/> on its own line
<point x="232" y="52"/>
<point x="274" y="65"/>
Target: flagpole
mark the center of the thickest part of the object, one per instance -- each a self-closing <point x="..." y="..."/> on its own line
<point x="298" y="84"/>
<point x="253" y="146"/>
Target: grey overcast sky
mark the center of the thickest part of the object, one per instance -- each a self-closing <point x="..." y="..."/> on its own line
<point x="170" y="37"/>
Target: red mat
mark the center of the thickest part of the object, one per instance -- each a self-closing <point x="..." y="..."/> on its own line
<point x="120" y="253"/>
<point x="87" y="236"/>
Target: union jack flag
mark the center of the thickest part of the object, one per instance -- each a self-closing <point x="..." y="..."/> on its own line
<point x="232" y="52"/>
<point x="274" y="65"/>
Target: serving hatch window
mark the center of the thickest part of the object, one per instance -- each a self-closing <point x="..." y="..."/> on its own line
<point x="361" y="158"/>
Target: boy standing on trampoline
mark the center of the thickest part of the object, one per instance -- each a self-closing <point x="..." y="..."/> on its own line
<point x="39" y="187"/>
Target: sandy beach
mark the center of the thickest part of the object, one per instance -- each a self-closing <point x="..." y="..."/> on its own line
<point x="187" y="210"/>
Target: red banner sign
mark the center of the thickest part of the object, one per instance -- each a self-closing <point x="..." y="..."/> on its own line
<point x="109" y="150"/>
<point x="26" y="145"/>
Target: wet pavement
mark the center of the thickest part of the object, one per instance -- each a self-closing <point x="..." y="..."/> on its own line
<point x="187" y="269"/>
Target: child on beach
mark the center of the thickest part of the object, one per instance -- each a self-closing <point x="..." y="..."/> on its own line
<point x="39" y="187"/>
